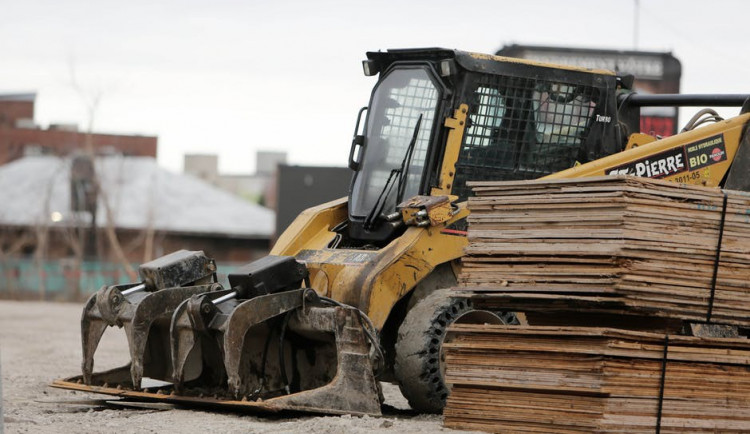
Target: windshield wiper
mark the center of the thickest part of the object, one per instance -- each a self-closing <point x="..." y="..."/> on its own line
<point x="404" y="173"/>
<point x="400" y="175"/>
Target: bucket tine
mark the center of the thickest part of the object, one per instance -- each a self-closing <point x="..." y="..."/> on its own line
<point x="183" y="341"/>
<point x="188" y="330"/>
<point x="156" y="306"/>
<point x="92" y="329"/>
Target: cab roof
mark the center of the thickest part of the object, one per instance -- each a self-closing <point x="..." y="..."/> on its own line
<point x="477" y="62"/>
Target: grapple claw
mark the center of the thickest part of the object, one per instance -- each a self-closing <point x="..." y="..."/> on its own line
<point x="245" y="316"/>
<point x="150" y="321"/>
<point x="144" y="311"/>
<point x="353" y="388"/>
<point x="92" y="329"/>
<point x="189" y="333"/>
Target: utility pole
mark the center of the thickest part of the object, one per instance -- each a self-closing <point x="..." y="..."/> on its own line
<point x="636" y="14"/>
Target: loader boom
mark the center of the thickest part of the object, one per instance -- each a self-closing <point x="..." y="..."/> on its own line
<point x="700" y="157"/>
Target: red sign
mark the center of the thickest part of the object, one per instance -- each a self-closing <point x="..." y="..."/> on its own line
<point x="658" y="125"/>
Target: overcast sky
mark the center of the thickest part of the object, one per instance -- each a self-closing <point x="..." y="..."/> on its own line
<point x="234" y="77"/>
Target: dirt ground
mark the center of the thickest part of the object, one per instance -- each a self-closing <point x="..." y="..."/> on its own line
<point x="40" y="342"/>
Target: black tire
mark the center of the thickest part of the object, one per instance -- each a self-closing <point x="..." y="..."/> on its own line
<point x="418" y="365"/>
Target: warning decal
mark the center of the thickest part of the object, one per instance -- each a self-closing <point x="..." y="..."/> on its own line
<point x="706" y="152"/>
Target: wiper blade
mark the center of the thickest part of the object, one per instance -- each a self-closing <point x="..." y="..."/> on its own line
<point x="377" y="208"/>
<point x="400" y="173"/>
<point x="407" y="162"/>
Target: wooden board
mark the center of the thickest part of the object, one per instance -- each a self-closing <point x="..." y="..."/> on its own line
<point x="573" y="379"/>
<point x="617" y="245"/>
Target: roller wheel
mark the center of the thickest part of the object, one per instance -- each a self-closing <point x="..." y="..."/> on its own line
<point x="419" y="362"/>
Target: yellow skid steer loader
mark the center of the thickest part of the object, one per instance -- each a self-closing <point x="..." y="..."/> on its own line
<point x="357" y="290"/>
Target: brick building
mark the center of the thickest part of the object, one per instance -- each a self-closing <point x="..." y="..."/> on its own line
<point x="20" y="136"/>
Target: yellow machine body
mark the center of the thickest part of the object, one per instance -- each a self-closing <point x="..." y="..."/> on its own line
<point x="374" y="280"/>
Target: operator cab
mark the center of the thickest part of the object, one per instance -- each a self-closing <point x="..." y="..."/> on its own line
<point x="525" y="120"/>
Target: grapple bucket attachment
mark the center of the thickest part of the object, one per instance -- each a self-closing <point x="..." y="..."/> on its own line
<point x="267" y="344"/>
<point x="144" y="311"/>
<point x="281" y="346"/>
<point x="285" y="349"/>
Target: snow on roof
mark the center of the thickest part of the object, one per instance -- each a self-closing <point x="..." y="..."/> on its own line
<point x="140" y="193"/>
<point x="25" y="97"/>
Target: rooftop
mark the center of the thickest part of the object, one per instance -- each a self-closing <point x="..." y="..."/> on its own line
<point x="140" y="194"/>
<point x="28" y="97"/>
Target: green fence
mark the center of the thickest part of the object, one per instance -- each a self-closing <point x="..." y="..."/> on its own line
<point x="64" y="279"/>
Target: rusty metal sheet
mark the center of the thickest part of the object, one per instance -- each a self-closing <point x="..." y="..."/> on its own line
<point x="269" y="406"/>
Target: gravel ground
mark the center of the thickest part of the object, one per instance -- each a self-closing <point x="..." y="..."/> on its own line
<point x="40" y="342"/>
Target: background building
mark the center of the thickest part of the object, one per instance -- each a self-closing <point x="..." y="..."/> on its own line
<point x="287" y="189"/>
<point x="256" y="187"/>
<point x="20" y="136"/>
<point x="67" y="228"/>
<point x="301" y="187"/>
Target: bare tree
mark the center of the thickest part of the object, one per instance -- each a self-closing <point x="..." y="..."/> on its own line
<point x="92" y="101"/>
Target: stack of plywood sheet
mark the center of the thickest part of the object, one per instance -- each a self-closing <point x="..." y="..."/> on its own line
<point x="610" y="245"/>
<point x="552" y="379"/>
